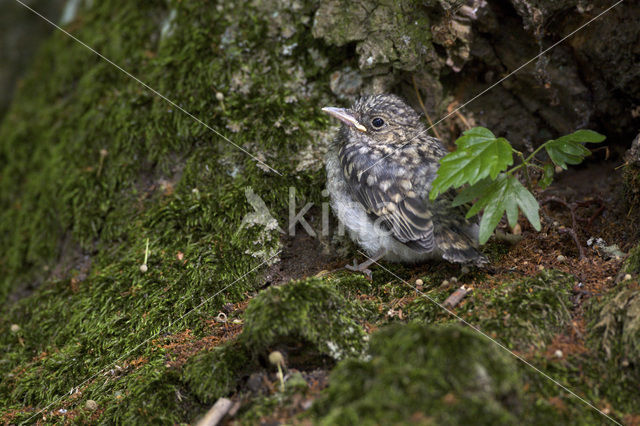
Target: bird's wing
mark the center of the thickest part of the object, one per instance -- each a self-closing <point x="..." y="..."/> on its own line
<point x="396" y="204"/>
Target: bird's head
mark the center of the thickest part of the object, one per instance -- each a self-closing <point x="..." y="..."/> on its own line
<point x="379" y="119"/>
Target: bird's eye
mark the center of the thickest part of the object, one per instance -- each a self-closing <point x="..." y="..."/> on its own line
<point x="377" y="122"/>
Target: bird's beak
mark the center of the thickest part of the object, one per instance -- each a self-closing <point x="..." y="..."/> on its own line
<point x="345" y="116"/>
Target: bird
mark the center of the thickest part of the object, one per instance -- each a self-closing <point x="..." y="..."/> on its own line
<point x="380" y="168"/>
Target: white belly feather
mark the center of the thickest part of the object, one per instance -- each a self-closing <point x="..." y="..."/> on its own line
<point x="370" y="236"/>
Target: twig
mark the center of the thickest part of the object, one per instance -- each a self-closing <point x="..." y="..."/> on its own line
<point x="573" y="234"/>
<point x="626" y="163"/>
<point x="457" y="296"/>
<point x="526" y="171"/>
<point x="464" y="120"/>
<point x="606" y="151"/>
<point x="570" y="231"/>
<point x="424" y="109"/>
<point x="216" y="413"/>
<point x="601" y="208"/>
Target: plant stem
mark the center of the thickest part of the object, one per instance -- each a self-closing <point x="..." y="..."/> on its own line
<point x="281" y="377"/>
<point x="526" y="170"/>
<point x="537" y="150"/>
<point x="537" y="167"/>
<point x="146" y="253"/>
<point x="526" y="162"/>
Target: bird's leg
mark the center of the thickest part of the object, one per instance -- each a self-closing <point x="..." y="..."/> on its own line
<point x="364" y="266"/>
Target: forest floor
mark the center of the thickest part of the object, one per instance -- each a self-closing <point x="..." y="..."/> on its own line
<point x="593" y="200"/>
<point x="99" y="177"/>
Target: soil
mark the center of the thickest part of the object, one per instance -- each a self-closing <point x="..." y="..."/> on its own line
<point x="304" y="255"/>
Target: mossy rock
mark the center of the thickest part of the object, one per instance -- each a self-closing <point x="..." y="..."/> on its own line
<point x="387" y="32"/>
<point x="632" y="263"/>
<point x="632" y="188"/>
<point x="522" y="314"/>
<point x="614" y="336"/>
<point x="311" y="311"/>
<point x="615" y="326"/>
<point x="424" y="374"/>
<point x="310" y="315"/>
<point x="632" y="176"/>
<point x="92" y="166"/>
<point x="216" y="373"/>
<point x="528" y="312"/>
<point x="615" y="319"/>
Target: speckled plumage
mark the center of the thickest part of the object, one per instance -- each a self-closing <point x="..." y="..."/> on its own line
<point x="379" y="179"/>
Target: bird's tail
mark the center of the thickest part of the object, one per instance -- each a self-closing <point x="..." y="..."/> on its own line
<point x="459" y="242"/>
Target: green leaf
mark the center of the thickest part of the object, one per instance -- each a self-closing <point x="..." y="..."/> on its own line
<point x="586" y="135"/>
<point x="511" y="207"/>
<point x="547" y="176"/>
<point x="527" y="203"/>
<point x="472" y="192"/>
<point x="479" y="155"/>
<point x="505" y="194"/>
<point x="568" y="149"/>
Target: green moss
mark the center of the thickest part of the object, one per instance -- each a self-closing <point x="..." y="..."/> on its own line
<point x="547" y="403"/>
<point x="631" y="179"/>
<point x="216" y="373"/>
<point x="496" y="250"/>
<point x="350" y="284"/>
<point x="72" y="105"/>
<point x="632" y="263"/>
<point x="449" y="374"/>
<point x="74" y="222"/>
<point x="310" y="311"/>
<point x="438" y="374"/>
<point x="526" y="313"/>
<point x="92" y="165"/>
<point x="424" y="309"/>
<point x="146" y="389"/>
<point x="310" y="314"/>
<point x="263" y="407"/>
<point x="522" y="314"/>
<point x="309" y="319"/>
<point x="615" y="327"/>
<point x="605" y="376"/>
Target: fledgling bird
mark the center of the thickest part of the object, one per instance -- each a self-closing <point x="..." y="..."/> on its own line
<point x="379" y="174"/>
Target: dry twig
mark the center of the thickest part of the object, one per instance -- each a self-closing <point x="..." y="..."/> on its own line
<point x="424" y="109"/>
<point x="571" y="231"/>
<point x="457" y="296"/>
<point x="216" y="413"/>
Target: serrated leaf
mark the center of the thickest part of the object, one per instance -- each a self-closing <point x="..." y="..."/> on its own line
<point x="484" y="199"/>
<point x="479" y="155"/>
<point x="547" y="176"/>
<point x="505" y="194"/>
<point x="568" y="149"/>
<point x="471" y="192"/>
<point x="477" y="132"/>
